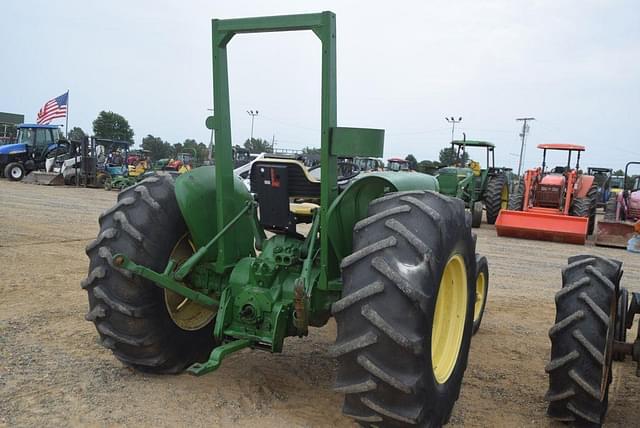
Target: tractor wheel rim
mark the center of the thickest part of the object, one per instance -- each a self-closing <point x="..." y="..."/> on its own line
<point x="480" y="290"/>
<point x="449" y="319"/>
<point x="504" y="197"/>
<point x="186" y="314"/>
<point x="16" y="172"/>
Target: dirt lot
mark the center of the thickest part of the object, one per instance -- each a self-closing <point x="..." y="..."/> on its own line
<point x="53" y="372"/>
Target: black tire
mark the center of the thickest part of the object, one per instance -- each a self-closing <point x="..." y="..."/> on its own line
<point x="128" y="311"/>
<point x="621" y="322"/>
<point x="581" y="341"/>
<point x="610" y="208"/>
<point x="516" y="199"/>
<point x="585" y="207"/>
<point x="482" y="290"/>
<point x="14" y="171"/>
<point x="476" y="214"/>
<point x="386" y="315"/>
<point x="493" y="197"/>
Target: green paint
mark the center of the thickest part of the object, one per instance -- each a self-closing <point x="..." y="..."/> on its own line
<point x="291" y="284"/>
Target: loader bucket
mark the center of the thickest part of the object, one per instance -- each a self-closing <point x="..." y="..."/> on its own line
<point x="542" y="226"/>
<point x="613" y="233"/>
<point x="45" y="178"/>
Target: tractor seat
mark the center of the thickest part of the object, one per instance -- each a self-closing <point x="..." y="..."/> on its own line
<point x="276" y="182"/>
<point x="475" y="167"/>
<point x="289" y="173"/>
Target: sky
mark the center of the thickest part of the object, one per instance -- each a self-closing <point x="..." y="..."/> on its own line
<point x="402" y="66"/>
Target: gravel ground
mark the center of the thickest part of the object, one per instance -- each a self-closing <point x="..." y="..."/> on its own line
<point x="53" y="372"/>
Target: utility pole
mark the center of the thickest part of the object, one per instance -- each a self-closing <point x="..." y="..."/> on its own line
<point x="253" y="115"/>
<point x="523" y="135"/>
<point x="452" y="120"/>
<point x="273" y="143"/>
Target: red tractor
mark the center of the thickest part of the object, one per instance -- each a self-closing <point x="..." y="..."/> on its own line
<point x="552" y="205"/>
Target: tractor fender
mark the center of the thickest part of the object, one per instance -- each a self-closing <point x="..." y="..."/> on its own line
<point x="196" y="195"/>
<point x="584" y="184"/>
<point x="352" y="204"/>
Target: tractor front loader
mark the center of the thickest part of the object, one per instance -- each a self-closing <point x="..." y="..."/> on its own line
<point x="593" y="314"/>
<point x="553" y="205"/>
<point x="182" y="274"/>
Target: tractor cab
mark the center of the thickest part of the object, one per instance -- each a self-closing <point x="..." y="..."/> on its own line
<point x="115" y="155"/>
<point x="241" y="156"/>
<point x="551" y="191"/>
<point x="34" y="144"/>
<point x="398" y="165"/>
<point x="478" y="186"/>
<point x="368" y="164"/>
<point x="602" y="179"/>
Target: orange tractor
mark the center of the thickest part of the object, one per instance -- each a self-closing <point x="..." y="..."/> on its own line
<point x="552" y="205"/>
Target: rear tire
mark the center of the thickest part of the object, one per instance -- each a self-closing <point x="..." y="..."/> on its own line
<point x="14" y="171"/>
<point x="128" y="311"/>
<point x="482" y="290"/>
<point x="496" y="196"/>
<point x="401" y="356"/>
<point x="476" y="214"/>
<point x="586" y="207"/>
<point x="516" y="199"/>
<point x="581" y="341"/>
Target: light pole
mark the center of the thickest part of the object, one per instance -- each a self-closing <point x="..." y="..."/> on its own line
<point x="452" y="120"/>
<point x="253" y="115"/>
<point x="523" y="134"/>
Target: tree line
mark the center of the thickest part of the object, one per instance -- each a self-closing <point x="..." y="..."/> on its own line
<point x="110" y="125"/>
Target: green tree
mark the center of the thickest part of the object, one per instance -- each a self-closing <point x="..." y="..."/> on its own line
<point x="192" y="147"/>
<point x="618" y="172"/>
<point x="448" y="157"/>
<point x="413" y="162"/>
<point x="311" y="151"/>
<point x="158" y="149"/>
<point x="112" y="126"/>
<point x="258" y="145"/>
<point x="428" y="166"/>
<point x="76" y="133"/>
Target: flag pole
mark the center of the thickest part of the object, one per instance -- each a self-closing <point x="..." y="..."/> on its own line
<point x="66" y="125"/>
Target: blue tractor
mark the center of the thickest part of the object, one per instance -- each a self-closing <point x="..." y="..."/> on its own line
<point x="34" y="144"/>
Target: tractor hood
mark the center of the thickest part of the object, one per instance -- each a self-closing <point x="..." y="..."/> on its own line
<point x="10" y="149"/>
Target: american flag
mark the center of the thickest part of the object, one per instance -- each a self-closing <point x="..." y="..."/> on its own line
<point x="53" y="109"/>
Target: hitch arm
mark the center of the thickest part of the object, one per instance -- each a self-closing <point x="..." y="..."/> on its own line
<point x="165" y="281"/>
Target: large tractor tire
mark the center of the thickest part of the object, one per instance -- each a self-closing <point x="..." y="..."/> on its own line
<point x="581" y="341"/>
<point x="516" y="199"/>
<point x="14" y="171"/>
<point x="476" y="214"/>
<point x="586" y="207"/>
<point x="136" y="319"/>
<point x="482" y="289"/>
<point x="406" y="312"/>
<point x="611" y="207"/>
<point x="496" y="197"/>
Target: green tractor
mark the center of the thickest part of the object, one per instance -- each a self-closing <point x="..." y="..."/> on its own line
<point x="478" y="187"/>
<point x="182" y="274"/>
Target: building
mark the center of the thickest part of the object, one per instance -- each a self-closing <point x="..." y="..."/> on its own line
<point x="8" y="130"/>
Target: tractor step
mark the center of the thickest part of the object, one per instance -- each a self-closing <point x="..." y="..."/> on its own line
<point x="613" y="233"/>
<point x="44" y="178"/>
<point x="542" y="226"/>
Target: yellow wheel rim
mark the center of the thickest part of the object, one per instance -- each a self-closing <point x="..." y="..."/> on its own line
<point x="504" y="197"/>
<point x="449" y="318"/>
<point x="480" y="290"/>
<point x="185" y="313"/>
